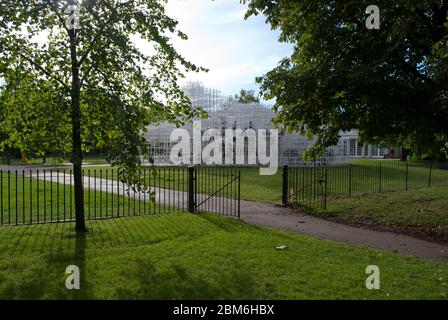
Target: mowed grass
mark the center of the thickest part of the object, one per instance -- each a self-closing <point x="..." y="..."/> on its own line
<point x="420" y="212"/>
<point x="204" y="256"/>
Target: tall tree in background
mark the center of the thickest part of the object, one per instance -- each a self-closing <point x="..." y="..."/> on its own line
<point x="247" y="97"/>
<point x="90" y="59"/>
<point x="391" y="84"/>
<point x="33" y="117"/>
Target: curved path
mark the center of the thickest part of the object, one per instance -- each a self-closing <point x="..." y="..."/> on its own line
<point x="288" y="219"/>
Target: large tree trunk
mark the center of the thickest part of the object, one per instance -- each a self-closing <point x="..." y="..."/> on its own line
<point x="23" y="158"/>
<point x="76" y="136"/>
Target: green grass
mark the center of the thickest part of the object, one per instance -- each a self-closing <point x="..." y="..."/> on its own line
<point x="420" y="212"/>
<point x="204" y="256"/>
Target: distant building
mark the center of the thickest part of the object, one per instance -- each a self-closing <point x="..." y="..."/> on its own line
<point x="229" y="114"/>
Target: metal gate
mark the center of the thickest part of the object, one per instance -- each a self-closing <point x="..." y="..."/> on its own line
<point x="215" y="190"/>
<point x="305" y="186"/>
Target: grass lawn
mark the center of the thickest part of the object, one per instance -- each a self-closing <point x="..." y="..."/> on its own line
<point x="204" y="256"/>
<point x="419" y="212"/>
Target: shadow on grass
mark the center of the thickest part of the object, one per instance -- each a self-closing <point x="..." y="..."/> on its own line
<point x="228" y="224"/>
<point x="176" y="281"/>
<point x="34" y="260"/>
<point x="43" y="276"/>
<point x="61" y="237"/>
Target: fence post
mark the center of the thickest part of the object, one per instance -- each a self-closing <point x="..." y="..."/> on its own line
<point x="191" y="204"/>
<point x="350" y="181"/>
<point x="325" y="192"/>
<point x="407" y="175"/>
<point x="430" y="176"/>
<point x="285" y="183"/>
<point x="239" y="194"/>
<point x="381" y="177"/>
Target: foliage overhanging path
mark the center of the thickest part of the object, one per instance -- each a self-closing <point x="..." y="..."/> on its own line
<point x="287" y="219"/>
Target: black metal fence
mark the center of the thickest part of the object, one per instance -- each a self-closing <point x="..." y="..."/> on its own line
<point x="46" y="196"/>
<point x="216" y="190"/>
<point x="313" y="185"/>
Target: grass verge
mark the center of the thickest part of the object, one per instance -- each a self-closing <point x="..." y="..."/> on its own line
<point x="422" y="213"/>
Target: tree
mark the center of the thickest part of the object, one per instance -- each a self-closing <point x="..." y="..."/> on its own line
<point x="90" y="58"/>
<point x="390" y="83"/>
<point x="247" y="97"/>
<point x="32" y="118"/>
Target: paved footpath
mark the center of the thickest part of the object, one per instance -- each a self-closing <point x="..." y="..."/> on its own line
<point x="287" y="219"/>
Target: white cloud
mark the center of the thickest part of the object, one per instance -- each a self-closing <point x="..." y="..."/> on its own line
<point x="235" y="50"/>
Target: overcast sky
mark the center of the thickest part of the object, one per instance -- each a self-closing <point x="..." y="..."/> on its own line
<point x="235" y="50"/>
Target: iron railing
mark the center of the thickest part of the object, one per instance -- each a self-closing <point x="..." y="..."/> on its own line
<point x="217" y="190"/>
<point x="313" y="185"/>
<point x="47" y="196"/>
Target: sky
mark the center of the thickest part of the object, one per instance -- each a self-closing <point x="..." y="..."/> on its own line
<point x="236" y="51"/>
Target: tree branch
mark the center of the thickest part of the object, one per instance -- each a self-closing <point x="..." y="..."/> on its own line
<point x="99" y="34"/>
<point x="39" y="67"/>
<point x="56" y="12"/>
<point x="84" y="77"/>
<point x="89" y="69"/>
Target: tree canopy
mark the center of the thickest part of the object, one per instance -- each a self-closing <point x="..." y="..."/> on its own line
<point x="107" y="67"/>
<point x="33" y="118"/>
<point x="247" y="97"/>
<point x="391" y="84"/>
